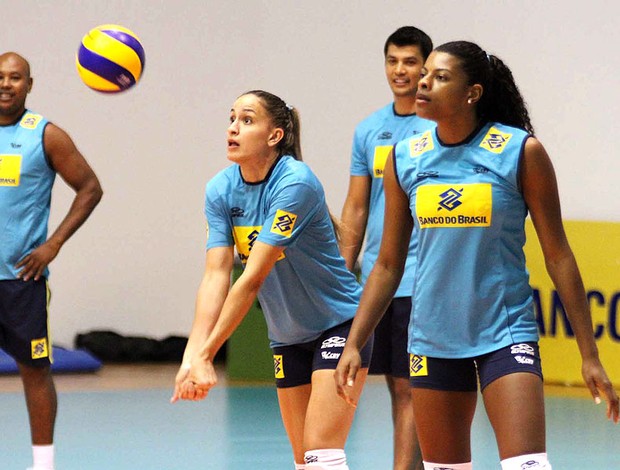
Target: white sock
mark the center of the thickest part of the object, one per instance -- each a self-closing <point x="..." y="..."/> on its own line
<point x="300" y="466"/>
<point x="326" y="459"/>
<point x="533" y="461"/>
<point x="43" y="457"/>
<point x="447" y="466"/>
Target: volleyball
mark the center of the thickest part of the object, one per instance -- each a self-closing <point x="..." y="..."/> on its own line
<point x="110" y="59"/>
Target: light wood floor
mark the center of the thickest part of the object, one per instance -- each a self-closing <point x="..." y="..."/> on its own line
<point x="157" y="376"/>
<point x="109" y="377"/>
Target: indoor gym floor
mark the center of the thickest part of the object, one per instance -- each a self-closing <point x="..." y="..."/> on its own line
<point x="120" y="418"/>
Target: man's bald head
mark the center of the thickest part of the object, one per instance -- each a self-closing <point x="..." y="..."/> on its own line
<point x="17" y="59"/>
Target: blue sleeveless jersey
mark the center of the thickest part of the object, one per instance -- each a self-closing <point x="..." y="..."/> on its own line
<point x="309" y="290"/>
<point x="26" y="181"/>
<point x="472" y="293"/>
<point x="373" y="140"/>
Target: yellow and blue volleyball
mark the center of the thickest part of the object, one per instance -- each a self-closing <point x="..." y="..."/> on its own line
<point x="110" y="59"/>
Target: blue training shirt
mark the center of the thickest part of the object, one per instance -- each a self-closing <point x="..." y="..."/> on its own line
<point x="472" y="293"/>
<point x="26" y="181"/>
<point x="309" y="290"/>
<point x="373" y="140"/>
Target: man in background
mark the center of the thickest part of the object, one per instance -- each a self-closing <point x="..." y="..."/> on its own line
<point x="405" y="51"/>
<point x="32" y="152"/>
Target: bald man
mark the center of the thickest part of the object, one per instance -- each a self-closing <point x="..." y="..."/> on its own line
<point x="32" y="152"/>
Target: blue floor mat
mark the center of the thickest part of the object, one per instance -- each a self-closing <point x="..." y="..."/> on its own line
<point x="65" y="360"/>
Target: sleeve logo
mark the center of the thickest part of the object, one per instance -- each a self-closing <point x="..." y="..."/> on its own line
<point x="495" y="141"/>
<point x="30" y="121"/>
<point x="10" y="169"/>
<point x="420" y="145"/>
<point x="283" y="223"/>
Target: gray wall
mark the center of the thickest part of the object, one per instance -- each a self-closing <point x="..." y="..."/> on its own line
<point x="136" y="264"/>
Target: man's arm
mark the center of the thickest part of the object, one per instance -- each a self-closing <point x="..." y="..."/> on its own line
<point x="354" y="218"/>
<point x="70" y="164"/>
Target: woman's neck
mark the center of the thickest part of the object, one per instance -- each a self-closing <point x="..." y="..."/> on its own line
<point x="457" y="129"/>
<point x="258" y="169"/>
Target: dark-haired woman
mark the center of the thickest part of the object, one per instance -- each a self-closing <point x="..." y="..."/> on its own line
<point x="465" y="190"/>
<point x="272" y="207"/>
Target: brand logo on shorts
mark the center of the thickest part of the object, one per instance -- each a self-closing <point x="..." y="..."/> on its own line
<point x="334" y="342"/>
<point x="524" y="360"/>
<point x="311" y="458"/>
<point x="278" y="366"/>
<point x="39" y="348"/>
<point x="330" y="355"/>
<point x="530" y="464"/>
<point x="417" y="366"/>
<point x="522" y="348"/>
<point x="521" y="352"/>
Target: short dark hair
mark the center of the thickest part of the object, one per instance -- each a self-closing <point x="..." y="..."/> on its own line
<point x="410" y="36"/>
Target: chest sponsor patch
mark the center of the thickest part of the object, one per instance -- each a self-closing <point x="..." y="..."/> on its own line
<point x="495" y="141"/>
<point x="465" y="205"/>
<point x="244" y="241"/>
<point x="10" y="169"/>
<point x="283" y="223"/>
<point x="420" y="145"/>
<point x="382" y="152"/>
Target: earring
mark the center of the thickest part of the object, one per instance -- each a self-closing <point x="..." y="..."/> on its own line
<point x="469" y="101"/>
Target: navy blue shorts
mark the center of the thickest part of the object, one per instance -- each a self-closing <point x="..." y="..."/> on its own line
<point x="389" y="352"/>
<point x="24" y="321"/>
<point x="295" y="364"/>
<point x="461" y="375"/>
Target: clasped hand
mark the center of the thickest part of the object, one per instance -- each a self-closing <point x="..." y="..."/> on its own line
<point x="194" y="382"/>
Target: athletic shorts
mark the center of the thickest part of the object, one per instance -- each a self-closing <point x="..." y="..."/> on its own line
<point x="24" y="330"/>
<point x="389" y="352"/>
<point x="295" y="364"/>
<point x="461" y="375"/>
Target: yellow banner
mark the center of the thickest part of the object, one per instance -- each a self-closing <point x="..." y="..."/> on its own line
<point x="597" y="249"/>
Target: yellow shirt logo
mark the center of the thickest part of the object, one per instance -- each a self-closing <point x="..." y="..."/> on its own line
<point x="244" y="240"/>
<point x="283" y="223"/>
<point x="30" y="121"/>
<point x="10" y="169"/>
<point x="278" y="366"/>
<point x="417" y="366"/>
<point x="39" y="348"/>
<point x="443" y="205"/>
<point x="421" y="145"/>
<point x="382" y="152"/>
<point x="495" y="141"/>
